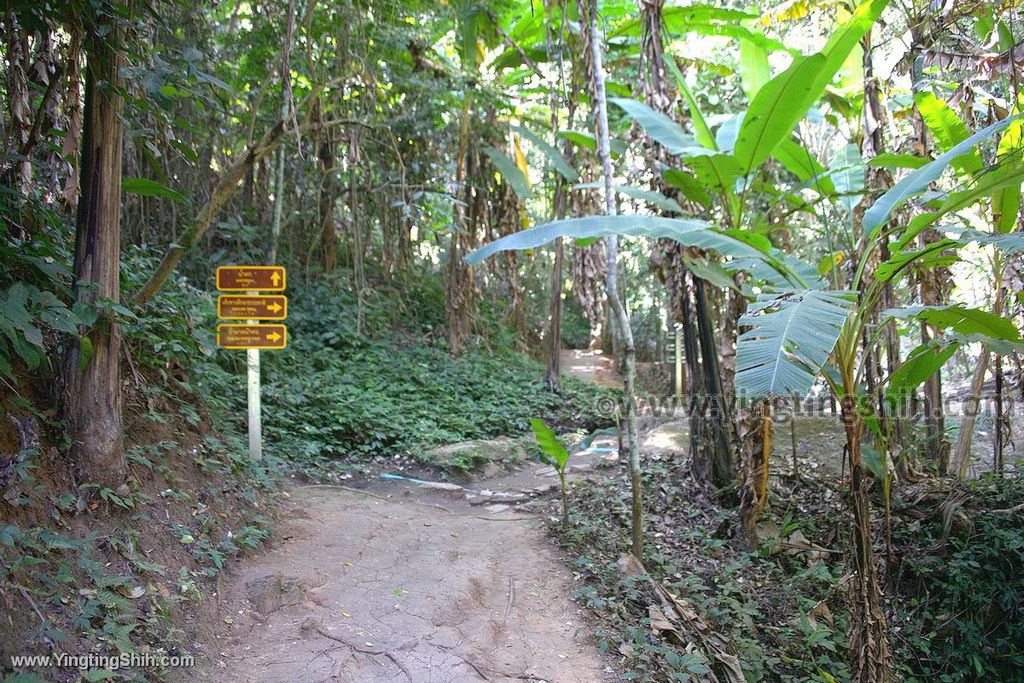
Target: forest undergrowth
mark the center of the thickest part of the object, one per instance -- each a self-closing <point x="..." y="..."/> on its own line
<point x="134" y="570"/>
<point x="955" y="571"/>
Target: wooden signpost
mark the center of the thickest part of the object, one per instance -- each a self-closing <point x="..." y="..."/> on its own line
<point x="252" y="307"/>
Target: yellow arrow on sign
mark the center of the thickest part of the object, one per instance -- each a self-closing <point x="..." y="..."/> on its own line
<point x="275" y="278"/>
<point x="274" y="337"/>
<point x="275" y="308"/>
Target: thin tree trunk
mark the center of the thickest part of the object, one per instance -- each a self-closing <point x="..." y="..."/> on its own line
<point x="73" y="109"/>
<point x="18" y="100"/>
<point x="878" y="181"/>
<point x="932" y="289"/>
<point x="92" y="376"/>
<point x="358" y="247"/>
<point x="757" y="450"/>
<point x="286" y="112"/>
<point x="1000" y="418"/>
<point x="459" y="288"/>
<point x="275" y="227"/>
<point x="970" y="411"/>
<point x="328" y="236"/>
<point x="554" y="376"/>
<point x="625" y="332"/>
<point x="792" y="443"/>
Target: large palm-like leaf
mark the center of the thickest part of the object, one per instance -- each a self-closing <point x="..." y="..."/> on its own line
<point x="1006" y="177"/>
<point x="948" y="130"/>
<point x="796" y="159"/>
<point x="558" y="161"/>
<point x="790" y="338"/>
<point x="918" y="181"/>
<point x="784" y="100"/>
<point x="661" y="128"/>
<point x="651" y="196"/>
<point x="688" y="231"/>
<point x="510" y="172"/>
<point x="700" y="124"/>
<point x="960" y="319"/>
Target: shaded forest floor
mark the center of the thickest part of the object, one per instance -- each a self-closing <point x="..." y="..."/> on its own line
<point x="393" y="579"/>
<point x="401" y="580"/>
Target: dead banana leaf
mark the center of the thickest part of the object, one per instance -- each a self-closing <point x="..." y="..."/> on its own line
<point x="681" y="620"/>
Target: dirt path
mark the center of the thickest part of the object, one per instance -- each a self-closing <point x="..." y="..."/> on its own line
<point x="362" y="588"/>
<point x="591" y="365"/>
<point x="409" y="583"/>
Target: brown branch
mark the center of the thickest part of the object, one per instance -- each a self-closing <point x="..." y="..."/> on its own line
<point x="222" y="192"/>
<point x="511" y="43"/>
<point x="37" y="123"/>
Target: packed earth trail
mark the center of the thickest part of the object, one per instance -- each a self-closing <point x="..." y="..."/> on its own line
<point x="415" y="587"/>
<point x="410" y="582"/>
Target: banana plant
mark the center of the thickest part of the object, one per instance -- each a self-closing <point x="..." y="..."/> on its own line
<point x="556" y="455"/>
<point x="796" y="325"/>
<point x="793" y="333"/>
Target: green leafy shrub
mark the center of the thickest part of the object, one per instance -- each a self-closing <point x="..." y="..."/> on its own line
<point x="556" y="455"/>
<point x="962" y="588"/>
<point x="340" y="393"/>
<point x="35" y="285"/>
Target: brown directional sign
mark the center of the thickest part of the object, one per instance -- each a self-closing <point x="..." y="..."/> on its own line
<point x="252" y="336"/>
<point x="251" y="278"/>
<point x="258" y="307"/>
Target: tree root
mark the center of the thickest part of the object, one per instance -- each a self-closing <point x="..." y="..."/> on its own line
<point x="311" y="624"/>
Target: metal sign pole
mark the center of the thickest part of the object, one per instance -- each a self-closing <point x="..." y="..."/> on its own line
<point x="252" y="371"/>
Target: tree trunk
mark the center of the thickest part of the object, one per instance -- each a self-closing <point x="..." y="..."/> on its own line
<point x="93" y="382"/>
<point x="757" y="450"/>
<point x="935" y="424"/>
<point x="328" y="236"/>
<point x="999" y="424"/>
<point x="358" y="244"/>
<point x="460" y="290"/>
<point x="932" y="288"/>
<point x="722" y="467"/>
<point x="588" y="268"/>
<point x="73" y="110"/>
<point x="878" y="181"/>
<point x="554" y="376"/>
<point x="869" y="646"/>
<point x="970" y="411"/>
<point x="275" y="226"/>
<point x="18" y="101"/>
<point x="619" y="313"/>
